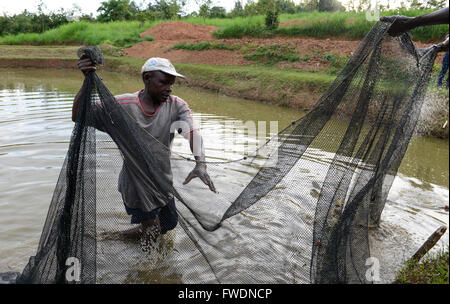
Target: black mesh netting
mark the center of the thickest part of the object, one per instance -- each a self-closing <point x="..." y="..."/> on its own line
<point x="295" y="210"/>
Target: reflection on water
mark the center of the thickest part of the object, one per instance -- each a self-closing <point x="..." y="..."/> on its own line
<point x="35" y="128"/>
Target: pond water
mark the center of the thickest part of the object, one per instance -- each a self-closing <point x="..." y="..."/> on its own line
<point x="35" y="128"/>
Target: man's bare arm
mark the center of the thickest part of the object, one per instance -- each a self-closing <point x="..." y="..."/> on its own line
<point x="437" y="17"/>
<point x="196" y="145"/>
<point x="75" y="105"/>
<point x="403" y="24"/>
<point x="86" y="66"/>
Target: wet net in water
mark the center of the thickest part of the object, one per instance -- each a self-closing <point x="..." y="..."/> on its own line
<point x="295" y="210"/>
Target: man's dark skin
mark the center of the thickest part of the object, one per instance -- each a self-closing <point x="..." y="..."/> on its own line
<point x="158" y="87"/>
<point x="403" y="24"/>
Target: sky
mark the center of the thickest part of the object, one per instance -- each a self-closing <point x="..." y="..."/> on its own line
<point x="11" y="7"/>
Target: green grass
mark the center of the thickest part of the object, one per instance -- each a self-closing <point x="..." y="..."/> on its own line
<point x="226" y="22"/>
<point x="283" y="87"/>
<point x="121" y="34"/>
<point x="205" y="45"/>
<point x="432" y="270"/>
<point x="24" y="51"/>
<point x="348" y="25"/>
<point x="337" y="62"/>
<point x="243" y="30"/>
<point x="238" y="77"/>
<point x="269" y="54"/>
<point x="274" y="53"/>
<point x="270" y="78"/>
<point x="318" y="29"/>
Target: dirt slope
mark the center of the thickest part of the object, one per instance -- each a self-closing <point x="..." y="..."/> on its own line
<point x="179" y="30"/>
<point x="167" y="34"/>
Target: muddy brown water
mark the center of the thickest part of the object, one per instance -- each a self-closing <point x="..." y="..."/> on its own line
<point x="35" y="128"/>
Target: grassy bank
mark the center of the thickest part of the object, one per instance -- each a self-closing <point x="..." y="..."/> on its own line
<point x="122" y="34"/>
<point x="268" y="54"/>
<point x="281" y="87"/>
<point x="432" y="270"/>
<point x="287" y="88"/>
<point x="348" y="25"/>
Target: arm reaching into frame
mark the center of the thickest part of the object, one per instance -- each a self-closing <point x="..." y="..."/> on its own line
<point x="196" y="145"/>
<point x="403" y="24"/>
<point x="85" y="65"/>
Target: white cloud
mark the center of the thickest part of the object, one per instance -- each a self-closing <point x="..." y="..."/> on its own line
<point x="88" y="6"/>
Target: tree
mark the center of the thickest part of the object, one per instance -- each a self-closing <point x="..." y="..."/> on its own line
<point x="41" y="19"/>
<point x="287" y="7"/>
<point x="38" y="22"/>
<point x="205" y="6"/>
<point x="250" y="8"/>
<point x="238" y="10"/>
<point x="436" y="4"/>
<point x="417" y="4"/>
<point x="86" y="17"/>
<point x="168" y="9"/>
<point x="217" y="12"/>
<point x="59" y="18"/>
<point x="143" y="16"/>
<point x="114" y="10"/>
<point x="271" y="20"/>
<point x="23" y="23"/>
<point x="330" y="6"/>
<point x="5" y="24"/>
<point x="312" y="5"/>
<point x="263" y="6"/>
<point x="134" y="8"/>
<point x="270" y="7"/>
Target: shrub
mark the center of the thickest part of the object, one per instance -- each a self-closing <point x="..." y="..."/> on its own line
<point x="274" y="53"/>
<point x="204" y="45"/>
<point x="271" y="20"/>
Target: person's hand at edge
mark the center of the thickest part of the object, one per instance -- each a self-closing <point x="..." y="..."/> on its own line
<point x="86" y="65"/>
<point x="200" y="172"/>
<point x="400" y="25"/>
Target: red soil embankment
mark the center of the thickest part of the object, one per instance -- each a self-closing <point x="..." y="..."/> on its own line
<point x="168" y="34"/>
<point x="179" y="30"/>
<point x="311" y="51"/>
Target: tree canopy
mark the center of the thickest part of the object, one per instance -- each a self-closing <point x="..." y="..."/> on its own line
<point x="115" y="10"/>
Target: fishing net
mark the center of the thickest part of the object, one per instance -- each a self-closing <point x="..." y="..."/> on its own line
<point x="296" y="208"/>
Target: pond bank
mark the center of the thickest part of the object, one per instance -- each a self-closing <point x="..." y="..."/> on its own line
<point x="299" y="89"/>
<point x="281" y="87"/>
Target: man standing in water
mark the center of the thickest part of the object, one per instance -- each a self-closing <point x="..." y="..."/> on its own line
<point x="444" y="69"/>
<point x="155" y="110"/>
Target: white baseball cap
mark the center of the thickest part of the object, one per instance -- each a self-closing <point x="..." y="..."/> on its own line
<point x="160" y="64"/>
